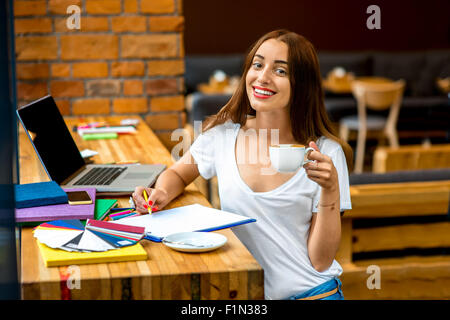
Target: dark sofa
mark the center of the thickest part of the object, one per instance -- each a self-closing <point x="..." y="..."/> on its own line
<point x="424" y="107"/>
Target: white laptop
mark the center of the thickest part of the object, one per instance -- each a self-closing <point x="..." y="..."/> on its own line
<point x="62" y="160"/>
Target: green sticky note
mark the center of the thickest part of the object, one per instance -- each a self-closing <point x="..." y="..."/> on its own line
<point x="96" y="136"/>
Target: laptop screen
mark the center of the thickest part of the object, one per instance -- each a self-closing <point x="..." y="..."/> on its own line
<point x="51" y="138"/>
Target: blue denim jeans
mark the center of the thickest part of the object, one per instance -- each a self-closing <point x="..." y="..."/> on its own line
<point x="322" y="288"/>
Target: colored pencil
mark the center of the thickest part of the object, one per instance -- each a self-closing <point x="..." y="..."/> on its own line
<point x="146" y="200"/>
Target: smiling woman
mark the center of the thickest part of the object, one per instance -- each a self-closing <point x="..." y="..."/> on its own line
<point x="297" y="230"/>
<point x="268" y="77"/>
<point x="296" y="64"/>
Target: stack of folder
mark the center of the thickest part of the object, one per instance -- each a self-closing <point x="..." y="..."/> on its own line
<point x="36" y="214"/>
<point x="61" y="234"/>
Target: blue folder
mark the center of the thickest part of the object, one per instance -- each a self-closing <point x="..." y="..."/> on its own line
<point x="39" y="194"/>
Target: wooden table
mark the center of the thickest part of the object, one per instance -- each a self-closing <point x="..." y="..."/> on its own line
<point x="230" y="272"/>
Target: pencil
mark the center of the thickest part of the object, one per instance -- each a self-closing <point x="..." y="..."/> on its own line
<point x="123" y="216"/>
<point x="146" y="200"/>
<point x="120" y="213"/>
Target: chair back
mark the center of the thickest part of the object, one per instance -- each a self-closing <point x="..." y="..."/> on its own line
<point x="378" y="96"/>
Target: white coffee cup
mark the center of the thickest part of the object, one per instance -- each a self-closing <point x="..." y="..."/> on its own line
<point x="287" y="158"/>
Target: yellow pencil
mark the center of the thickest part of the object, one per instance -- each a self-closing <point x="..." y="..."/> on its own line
<point x="146" y="200"/>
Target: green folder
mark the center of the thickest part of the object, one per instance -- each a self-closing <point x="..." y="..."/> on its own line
<point x="103" y="207"/>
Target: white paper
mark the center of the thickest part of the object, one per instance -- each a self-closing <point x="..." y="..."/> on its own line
<point x="55" y="238"/>
<point x="183" y="219"/>
<point x="90" y="241"/>
<point x="86" y="153"/>
<point x="126" y="129"/>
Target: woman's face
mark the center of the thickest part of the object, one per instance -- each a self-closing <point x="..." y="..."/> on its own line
<point x="267" y="81"/>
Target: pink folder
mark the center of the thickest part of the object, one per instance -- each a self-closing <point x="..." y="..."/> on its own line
<point x="59" y="211"/>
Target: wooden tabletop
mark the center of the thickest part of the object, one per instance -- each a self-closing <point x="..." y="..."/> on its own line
<point x="230" y="272"/>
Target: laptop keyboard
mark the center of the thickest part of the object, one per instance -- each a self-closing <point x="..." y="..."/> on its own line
<point x="100" y="176"/>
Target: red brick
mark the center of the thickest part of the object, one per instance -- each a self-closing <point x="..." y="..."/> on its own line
<point x="170" y="23"/>
<point x="60" y="70"/>
<point x="90" y="70"/>
<point x="149" y="46"/>
<point x="63" y="106"/>
<point x="181" y="43"/>
<point x="36" y="48"/>
<point x="91" y="106"/>
<point x="183" y="119"/>
<point x="62" y="88"/>
<point x="104" y="88"/>
<point x="133" y="87"/>
<point x="31" y="91"/>
<point x="161" y="86"/>
<point x="89" y="47"/>
<point x="130" y="6"/>
<point x="103" y="6"/>
<point x="129" y="24"/>
<point x="60" y="6"/>
<point x="163" y="121"/>
<point x="127" y="69"/>
<point x="37" y="25"/>
<point x="30" y="8"/>
<point x="27" y="71"/>
<point x="160" y="6"/>
<point x="130" y="105"/>
<point x="174" y="103"/>
<point x="165" y="67"/>
<point x="86" y="24"/>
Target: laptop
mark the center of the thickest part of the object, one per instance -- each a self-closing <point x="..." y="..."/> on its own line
<point x="63" y="162"/>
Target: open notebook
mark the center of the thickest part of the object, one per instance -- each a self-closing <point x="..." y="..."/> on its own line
<point x="193" y="217"/>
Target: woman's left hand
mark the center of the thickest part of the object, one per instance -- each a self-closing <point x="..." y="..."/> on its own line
<point x="322" y="170"/>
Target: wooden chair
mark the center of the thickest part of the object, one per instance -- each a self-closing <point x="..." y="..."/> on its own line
<point x="375" y="96"/>
<point x="412" y="157"/>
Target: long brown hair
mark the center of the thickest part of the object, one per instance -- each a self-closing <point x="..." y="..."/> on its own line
<point x="309" y="119"/>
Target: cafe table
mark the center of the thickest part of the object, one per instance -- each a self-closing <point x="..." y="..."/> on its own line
<point x="229" y="272"/>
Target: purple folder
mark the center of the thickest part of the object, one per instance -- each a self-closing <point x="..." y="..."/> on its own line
<point x="59" y="211"/>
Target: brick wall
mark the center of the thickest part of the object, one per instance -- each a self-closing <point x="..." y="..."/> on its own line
<point x="126" y="58"/>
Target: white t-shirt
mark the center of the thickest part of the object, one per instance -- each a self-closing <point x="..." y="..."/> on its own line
<point x="278" y="238"/>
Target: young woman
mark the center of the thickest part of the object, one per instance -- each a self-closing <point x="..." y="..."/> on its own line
<point x="298" y="226"/>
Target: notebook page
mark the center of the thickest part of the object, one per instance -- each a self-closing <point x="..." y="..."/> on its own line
<point x="183" y="219"/>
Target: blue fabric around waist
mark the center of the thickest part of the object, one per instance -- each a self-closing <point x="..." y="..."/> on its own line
<point x="322" y="288"/>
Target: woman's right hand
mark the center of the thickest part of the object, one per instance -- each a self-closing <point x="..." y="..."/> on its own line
<point x="157" y="198"/>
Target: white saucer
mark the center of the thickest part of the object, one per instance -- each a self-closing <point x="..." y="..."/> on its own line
<point x="194" y="241"/>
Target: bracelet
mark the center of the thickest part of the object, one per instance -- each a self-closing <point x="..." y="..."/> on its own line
<point x="327" y="205"/>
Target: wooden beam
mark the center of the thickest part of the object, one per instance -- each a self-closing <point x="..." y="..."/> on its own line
<point x="427" y="235"/>
<point x="399" y="281"/>
<point x="399" y="199"/>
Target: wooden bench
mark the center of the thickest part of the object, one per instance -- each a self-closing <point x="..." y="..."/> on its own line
<point x="400" y="230"/>
<point x="412" y="157"/>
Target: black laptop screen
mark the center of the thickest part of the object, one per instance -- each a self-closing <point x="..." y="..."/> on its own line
<point x="51" y="138"/>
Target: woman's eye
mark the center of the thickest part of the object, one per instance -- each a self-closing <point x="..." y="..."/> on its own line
<point x="280" y="72"/>
<point x="257" y="65"/>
